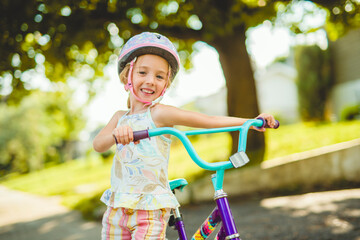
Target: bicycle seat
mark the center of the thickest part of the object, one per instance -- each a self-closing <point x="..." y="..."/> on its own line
<point x="178" y="183"/>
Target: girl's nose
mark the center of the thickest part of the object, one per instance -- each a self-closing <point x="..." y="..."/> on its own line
<point x="150" y="79"/>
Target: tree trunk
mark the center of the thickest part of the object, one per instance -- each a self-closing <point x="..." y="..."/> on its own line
<point x="242" y="97"/>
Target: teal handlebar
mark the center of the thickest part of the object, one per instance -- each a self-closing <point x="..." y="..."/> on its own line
<point x="182" y="136"/>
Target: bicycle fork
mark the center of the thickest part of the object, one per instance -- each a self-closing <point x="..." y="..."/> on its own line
<point x="228" y="229"/>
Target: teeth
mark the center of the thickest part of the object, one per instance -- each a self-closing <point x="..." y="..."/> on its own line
<point x="147" y="91"/>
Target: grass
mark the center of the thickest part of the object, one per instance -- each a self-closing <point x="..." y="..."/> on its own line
<point x="82" y="179"/>
<point x="286" y="140"/>
<point x="306" y="136"/>
<point x="72" y="180"/>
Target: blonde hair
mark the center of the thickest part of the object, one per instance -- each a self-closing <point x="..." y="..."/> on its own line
<point x="124" y="79"/>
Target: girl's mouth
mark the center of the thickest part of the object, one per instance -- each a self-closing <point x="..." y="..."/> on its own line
<point x="147" y="91"/>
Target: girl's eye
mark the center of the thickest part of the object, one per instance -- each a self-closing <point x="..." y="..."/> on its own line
<point x="160" y="77"/>
<point x="142" y="72"/>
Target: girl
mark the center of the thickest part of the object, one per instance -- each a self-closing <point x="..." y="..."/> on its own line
<point x="140" y="199"/>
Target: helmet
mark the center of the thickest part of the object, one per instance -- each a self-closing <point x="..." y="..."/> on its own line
<point x="149" y="43"/>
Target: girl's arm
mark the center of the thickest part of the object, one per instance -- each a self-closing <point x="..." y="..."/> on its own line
<point x="168" y="116"/>
<point x="105" y="138"/>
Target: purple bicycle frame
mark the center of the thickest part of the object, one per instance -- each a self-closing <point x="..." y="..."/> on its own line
<point x="221" y="213"/>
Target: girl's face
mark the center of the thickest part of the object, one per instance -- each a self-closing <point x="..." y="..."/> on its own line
<point x="150" y="76"/>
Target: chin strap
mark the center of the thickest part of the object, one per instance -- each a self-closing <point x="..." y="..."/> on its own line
<point x="129" y="86"/>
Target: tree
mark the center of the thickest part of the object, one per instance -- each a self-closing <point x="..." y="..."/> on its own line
<point x="314" y="81"/>
<point x="66" y="33"/>
<point x="37" y="132"/>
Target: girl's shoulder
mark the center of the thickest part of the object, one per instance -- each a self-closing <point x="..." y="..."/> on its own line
<point x="162" y="115"/>
<point x="162" y="109"/>
<point x="121" y="113"/>
<point x="118" y="114"/>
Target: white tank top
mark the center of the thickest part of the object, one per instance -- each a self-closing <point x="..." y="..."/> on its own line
<point x="139" y="174"/>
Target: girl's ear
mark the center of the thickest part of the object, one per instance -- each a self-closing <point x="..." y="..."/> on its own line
<point x="124" y="74"/>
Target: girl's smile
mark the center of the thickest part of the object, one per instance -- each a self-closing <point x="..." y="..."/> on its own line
<point x="147" y="91"/>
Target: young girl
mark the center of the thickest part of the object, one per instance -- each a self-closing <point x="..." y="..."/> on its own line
<point x="140" y="199"/>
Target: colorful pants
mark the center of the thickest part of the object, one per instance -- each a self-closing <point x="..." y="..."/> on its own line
<point x="126" y="224"/>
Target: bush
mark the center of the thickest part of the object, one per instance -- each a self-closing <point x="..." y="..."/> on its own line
<point x="350" y="113"/>
<point x="92" y="208"/>
<point x="41" y="130"/>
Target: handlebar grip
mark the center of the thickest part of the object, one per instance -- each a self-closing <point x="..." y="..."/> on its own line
<point x="265" y="124"/>
<point x="142" y="134"/>
<point x="277" y="124"/>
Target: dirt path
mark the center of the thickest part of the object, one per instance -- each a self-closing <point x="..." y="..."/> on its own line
<point x="25" y="216"/>
<point x="332" y="215"/>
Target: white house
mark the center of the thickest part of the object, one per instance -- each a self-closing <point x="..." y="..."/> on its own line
<point x="346" y="55"/>
<point x="276" y="90"/>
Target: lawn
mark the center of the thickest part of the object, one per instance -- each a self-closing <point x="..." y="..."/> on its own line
<point x="82" y="179"/>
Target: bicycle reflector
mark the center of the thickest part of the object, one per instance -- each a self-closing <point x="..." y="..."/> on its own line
<point x="239" y="159"/>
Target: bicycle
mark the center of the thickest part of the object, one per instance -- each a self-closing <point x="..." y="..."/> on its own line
<point x="222" y="212"/>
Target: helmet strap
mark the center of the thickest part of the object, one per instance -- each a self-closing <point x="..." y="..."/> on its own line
<point x="129" y="86"/>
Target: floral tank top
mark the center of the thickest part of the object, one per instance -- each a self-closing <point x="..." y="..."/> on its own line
<point x="139" y="174"/>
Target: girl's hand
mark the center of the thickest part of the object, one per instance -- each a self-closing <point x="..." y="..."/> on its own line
<point x="269" y="119"/>
<point x="124" y="135"/>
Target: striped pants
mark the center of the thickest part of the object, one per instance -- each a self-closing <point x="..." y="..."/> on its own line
<point x="126" y="224"/>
